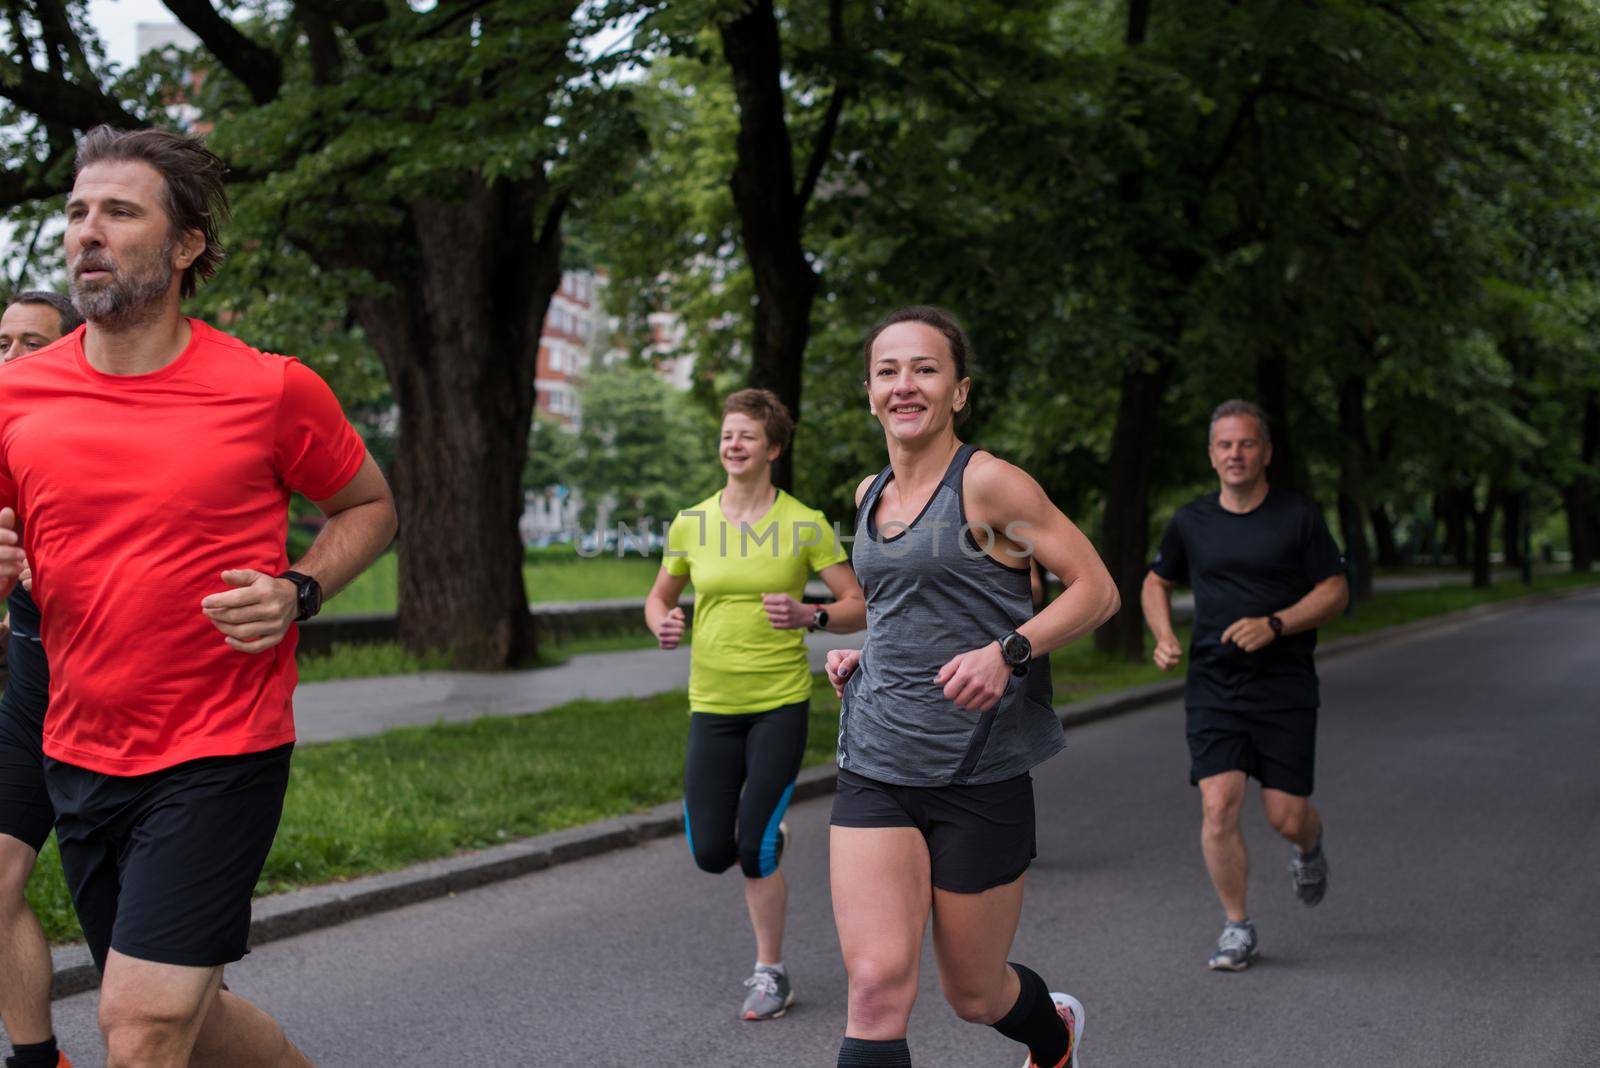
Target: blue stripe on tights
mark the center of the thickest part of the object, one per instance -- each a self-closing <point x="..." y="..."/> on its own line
<point x="688" y="832"/>
<point x="769" y="839"/>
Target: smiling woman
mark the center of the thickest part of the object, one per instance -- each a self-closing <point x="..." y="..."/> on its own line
<point x="946" y="709"/>
<point x="749" y="550"/>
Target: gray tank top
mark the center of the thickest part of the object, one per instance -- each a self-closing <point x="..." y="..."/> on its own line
<point x="932" y="592"/>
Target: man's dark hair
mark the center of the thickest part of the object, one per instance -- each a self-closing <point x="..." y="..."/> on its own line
<point x="942" y="321"/>
<point x="1238" y="407"/>
<point x="192" y="192"/>
<point x="70" y="319"/>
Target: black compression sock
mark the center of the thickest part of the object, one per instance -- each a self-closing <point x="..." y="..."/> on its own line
<point x="874" y="1053"/>
<point x="38" y="1055"/>
<point x="1034" y="1022"/>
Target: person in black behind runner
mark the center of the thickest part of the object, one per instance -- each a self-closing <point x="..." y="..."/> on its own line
<point x="1266" y="573"/>
<point x="946" y="708"/>
<point x="31" y="321"/>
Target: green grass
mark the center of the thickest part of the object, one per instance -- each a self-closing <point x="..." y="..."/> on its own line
<point x="374" y="804"/>
<point x="417" y="793"/>
<point x="552" y="577"/>
<point x="352" y="661"/>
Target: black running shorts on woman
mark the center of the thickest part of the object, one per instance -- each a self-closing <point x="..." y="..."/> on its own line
<point x="979" y="836"/>
<point x="161" y="866"/>
<point x="738" y="778"/>
<point x="25" y="811"/>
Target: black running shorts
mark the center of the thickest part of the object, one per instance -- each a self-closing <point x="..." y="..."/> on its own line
<point x="161" y="866"/>
<point x="25" y="810"/>
<point x="979" y="837"/>
<point x="1278" y="748"/>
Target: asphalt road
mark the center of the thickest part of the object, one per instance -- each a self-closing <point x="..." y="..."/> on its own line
<point x="1458" y="779"/>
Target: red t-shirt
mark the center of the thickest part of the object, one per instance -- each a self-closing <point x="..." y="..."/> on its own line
<point x="135" y="493"/>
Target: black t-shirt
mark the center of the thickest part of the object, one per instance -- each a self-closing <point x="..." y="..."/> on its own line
<point x="1251" y="564"/>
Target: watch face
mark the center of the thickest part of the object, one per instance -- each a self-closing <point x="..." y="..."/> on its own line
<point x="1015" y="648"/>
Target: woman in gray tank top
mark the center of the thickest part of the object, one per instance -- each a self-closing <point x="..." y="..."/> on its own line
<point x="946" y="707"/>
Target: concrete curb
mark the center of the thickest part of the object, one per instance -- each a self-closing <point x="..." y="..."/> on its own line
<point x="310" y="909"/>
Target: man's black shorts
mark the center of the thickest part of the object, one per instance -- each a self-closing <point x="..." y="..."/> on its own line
<point x="25" y="810"/>
<point x="979" y="837"/>
<point x="1279" y="748"/>
<point x="161" y="866"/>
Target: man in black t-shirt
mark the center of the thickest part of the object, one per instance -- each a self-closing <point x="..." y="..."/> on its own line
<point x="1266" y="573"/>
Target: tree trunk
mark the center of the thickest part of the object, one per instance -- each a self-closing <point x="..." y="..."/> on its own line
<point x="770" y="214"/>
<point x="1125" y="530"/>
<point x="1272" y="391"/>
<point x="1511" y="528"/>
<point x="1578" y="496"/>
<point x="1383" y="536"/>
<point x="1452" y="506"/>
<point x="1352" y="484"/>
<point x="1482" y="537"/>
<point x="458" y="334"/>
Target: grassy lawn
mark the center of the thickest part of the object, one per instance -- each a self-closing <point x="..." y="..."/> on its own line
<point x="375" y="804"/>
<point x="557" y="577"/>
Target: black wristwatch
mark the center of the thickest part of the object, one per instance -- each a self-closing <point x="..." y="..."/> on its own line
<point x="1018" y="652"/>
<point x="308" y="597"/>
<point x="1276" y="624"/>
<point x="818" y="621"/>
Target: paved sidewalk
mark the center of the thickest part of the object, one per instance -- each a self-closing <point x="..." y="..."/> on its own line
<point x="353" y="708"/>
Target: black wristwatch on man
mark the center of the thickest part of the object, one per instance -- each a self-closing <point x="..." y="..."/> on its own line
<point x="1018" y="652"/>
<point x="308" y="595"/>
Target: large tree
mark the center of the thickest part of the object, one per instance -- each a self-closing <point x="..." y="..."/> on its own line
<point x="418" y="163"/>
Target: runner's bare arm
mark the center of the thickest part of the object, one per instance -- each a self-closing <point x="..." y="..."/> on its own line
<point x="1005" y="498"/>
<point x="1325" y="601"/>
<point x="1156" y="600"/>
<point x="661" y="612"/>
<point x="257" y="612"/>
<point x="12" y="558"/>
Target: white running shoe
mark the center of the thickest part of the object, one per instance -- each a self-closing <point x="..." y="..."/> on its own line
<point x="1071" y="1010"/>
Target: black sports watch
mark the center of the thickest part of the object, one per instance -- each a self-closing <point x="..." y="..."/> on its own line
<point x="308" y="597"/>
<point x="818" y="621"/>
<point x="1018" y="652"/>
<point x="1276" y="624"/>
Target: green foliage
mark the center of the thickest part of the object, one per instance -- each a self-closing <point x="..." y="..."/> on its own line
<point x="643" y="447"/>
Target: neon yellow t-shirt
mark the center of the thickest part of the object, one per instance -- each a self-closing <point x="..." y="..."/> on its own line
<point x="740" y="662"/>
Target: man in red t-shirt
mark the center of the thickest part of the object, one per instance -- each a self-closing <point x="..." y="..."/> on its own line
<point x="146" y="463"/>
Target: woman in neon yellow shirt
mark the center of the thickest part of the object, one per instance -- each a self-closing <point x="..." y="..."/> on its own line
<point x="749" y="550"/>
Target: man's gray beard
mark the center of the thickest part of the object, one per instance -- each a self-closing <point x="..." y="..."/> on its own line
<point x="130" y="297"/>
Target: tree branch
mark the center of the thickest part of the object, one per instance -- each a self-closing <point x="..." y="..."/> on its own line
<point x="58" y="100"/>
<point x="1138" y="27"/>
<point x="321" y="41"/>
<point x="257" y="67"/>
<point x="830" y="120"/>
<point x="1395" y="13"/>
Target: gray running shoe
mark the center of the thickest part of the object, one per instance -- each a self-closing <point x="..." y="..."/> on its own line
<point x="1236" y="949"/>
<point x="770" y="995"/>
<point x="1310" y="877"/>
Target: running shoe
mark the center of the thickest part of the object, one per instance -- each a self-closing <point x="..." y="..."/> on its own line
<point x="1309" y="875"/>
<point x="770" y="995"/>
<point x="61" y="1060"/>
<point x="1071" y="1010"/>
<point x="1236" y="948"/>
